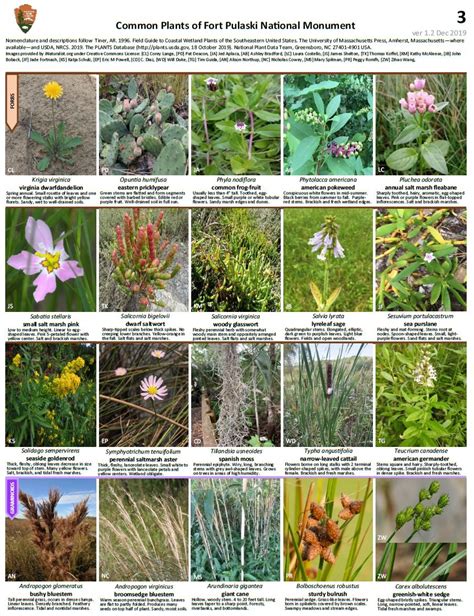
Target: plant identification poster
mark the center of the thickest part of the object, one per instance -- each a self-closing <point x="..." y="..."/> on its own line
<point x="236" y="314"/>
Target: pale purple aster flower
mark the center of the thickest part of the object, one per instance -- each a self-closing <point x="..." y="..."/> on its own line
<point x="153" y="388"/>
<point x="49" y="260"/>
<point x="120" y="371"/>
<point x="158" y="354"/>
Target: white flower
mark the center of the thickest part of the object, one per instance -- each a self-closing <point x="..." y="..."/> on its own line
<point x="429" y="256"/>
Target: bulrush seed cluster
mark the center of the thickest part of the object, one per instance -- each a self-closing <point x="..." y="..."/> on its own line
<point x="322" y="532"/>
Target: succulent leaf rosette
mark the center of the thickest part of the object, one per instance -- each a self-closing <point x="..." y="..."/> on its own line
<point x="50" y="261"/>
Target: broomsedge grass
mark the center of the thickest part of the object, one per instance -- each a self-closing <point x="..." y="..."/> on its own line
<point x="143" y="530"/>
<point x="328" y="402"/>
<point x="353" y="550"/>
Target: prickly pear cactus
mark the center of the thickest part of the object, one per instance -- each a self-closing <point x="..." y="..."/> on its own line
<point x="130" y="127"/>
<point x="172" y="159"/>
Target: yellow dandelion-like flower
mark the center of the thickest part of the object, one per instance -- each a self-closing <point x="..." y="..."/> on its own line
<point x="53" y="90"/>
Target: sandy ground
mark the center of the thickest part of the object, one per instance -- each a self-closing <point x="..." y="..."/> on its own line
<point x="76" y="108"/>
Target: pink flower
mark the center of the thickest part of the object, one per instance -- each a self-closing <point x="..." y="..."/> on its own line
<point x="412" y="108"/>
<point x="412" y="86"/>
<point x="421" y="108"/>
<point x="403" y="103"/>
<point x="152" y="387"/>
<point x="432" y="108"/>
<point x="411" y="97"/>
<point x="419" y="83"/>
<point x="49" y="260"/>
<point x="120" y="371"/>
<point x="158" y="354"/>
<point x="429" y="99"/>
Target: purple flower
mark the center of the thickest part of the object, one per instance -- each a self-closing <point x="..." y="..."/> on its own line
<point x="240" y="126"/>
<point x="338" y="250"/>
<point x="326" y="240"/>
<point x="49" y="260"/>
<point x="419" y="83"/>
<point x="153" y="388"/>
<point x="316" y="241"/>
<point x="212" y="83"/>
<point x="429" y="256"/>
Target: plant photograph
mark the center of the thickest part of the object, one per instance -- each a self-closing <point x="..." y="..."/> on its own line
<point x="421" y="124"/>
<point x="50" y="394"/>
<point x="143" y="530"/>
<point x="421" y="259"/>
<point x="235" y="260"/>
<point x="327" y="530"/>
<point x="236" y="395"/>
<point x="328" y="395"/>
<point x="51" y="260"/>
<point x="143" y="124"/>
<point x="143" y="394"/>
<point x="56" y="130"/>
<point x="328" y="260"/>
<point x="328" y="124"/>
<point x="421" y="394"/>
<point x="53" y="537"/>
<point x="143" y="260"/>
<point x="235" y="530"/>
<point x="235" y="124"/>
<point x="421" y="530"/>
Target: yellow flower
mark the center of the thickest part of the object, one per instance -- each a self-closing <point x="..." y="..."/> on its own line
<point x="66" y="383"/>
<point x="16" y="361"/>
<point x="53" y="90"/>
<point x="74" y="366"/>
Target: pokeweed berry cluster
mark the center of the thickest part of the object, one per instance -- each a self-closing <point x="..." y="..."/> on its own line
<point x="310" y="116"/>
<point x="337" y="150"/>
<point x="142" y="259"/>
<point x="417" y="99"/>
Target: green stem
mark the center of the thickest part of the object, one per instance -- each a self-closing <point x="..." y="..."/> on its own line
<point x="326" y="281"/>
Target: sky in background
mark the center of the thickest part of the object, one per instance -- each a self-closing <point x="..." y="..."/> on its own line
<point x="72" y="490"/>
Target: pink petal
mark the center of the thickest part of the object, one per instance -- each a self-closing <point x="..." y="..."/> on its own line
<point x="38" y="235"/>
<point x="26" y="261"/>
<point x="68" y="270"/>
<point x="45" y="283"/>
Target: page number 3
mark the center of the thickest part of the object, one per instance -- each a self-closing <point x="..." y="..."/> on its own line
<point x="461" y="17"/>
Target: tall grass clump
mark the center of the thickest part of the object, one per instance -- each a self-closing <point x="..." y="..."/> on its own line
<point x="328" y="530"/>
<point x="328" y="395"/>
<point x="235" y="529"/>
<point x="55" y="538"/>
<point x="143" y="530"/>
<point x="236" y="260"/>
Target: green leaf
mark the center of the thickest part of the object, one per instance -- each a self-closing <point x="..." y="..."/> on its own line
<point x="406" y="272"/>
<point x="411" y="432"/>
<point x="402" y="159"/>
<point x="317" y="87"/>
<point x="269" y="130"/>
<point x="446" y="299"/>
<point x="442" y="105"/>
<point x="318" y="101"/>
<point x="332" y="298"/>
<point x="267" y="116"/>
<point x="434" y="157"/>
<point x="339" y="121"/>
<point x="340" y="166"/>
<point x="38" y="138"/>
<point x="409" y="133"/>
<point x="435" y="292"/>
<point x="333" y="105"/>
<point x="239" y="96"/>
<point x="43" y="164"/>
<point x="223" y="113"/>
<point x="304" y="151"/>
<point x="132" y="88"/>
<point x="71" y="142"/>
<point x="387" y="229"/>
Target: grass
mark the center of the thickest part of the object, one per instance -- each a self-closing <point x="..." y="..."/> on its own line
<point x="449" y="123"/>
<point x="328" y="395"/>
<point x="352" y="273"/>
<point x="235" y="532"/>
<point x="345" y="537"/>
<point x="78" y="226"/>
<point x="125" y="418"/>
<point x="236" y="260"/>
<point x="143" y="530"/>
<point x="421" y="414"/>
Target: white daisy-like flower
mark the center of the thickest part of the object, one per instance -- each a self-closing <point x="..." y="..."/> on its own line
<point x="152" y="387"/>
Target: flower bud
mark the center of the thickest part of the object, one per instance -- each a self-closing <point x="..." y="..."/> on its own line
<point x="400" y="520"/>
<point x="424" y="495"/>
<point x="426" y="525"/>
<point x="443" y="500"/>
<point x="434" y="487"/>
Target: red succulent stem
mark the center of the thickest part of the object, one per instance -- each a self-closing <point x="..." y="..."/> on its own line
<point x="151" y="241"/>
<point x="252" y="128"/>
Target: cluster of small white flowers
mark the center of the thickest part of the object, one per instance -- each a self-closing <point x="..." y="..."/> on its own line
<point x="424" y="373"/>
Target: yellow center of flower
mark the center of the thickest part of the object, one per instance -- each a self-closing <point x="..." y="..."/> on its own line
<point x="152" y="390"/>
<point x="53" y="90"/>
<point x="50" y="260"/>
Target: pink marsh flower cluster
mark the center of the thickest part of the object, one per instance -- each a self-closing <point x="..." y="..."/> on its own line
<point x="417" y="99"/>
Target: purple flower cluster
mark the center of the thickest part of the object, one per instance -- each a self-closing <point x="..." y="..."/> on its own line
<point x="417" y="99"/>
<point x="344" y="151"/>
<point x="326" y="240"/>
